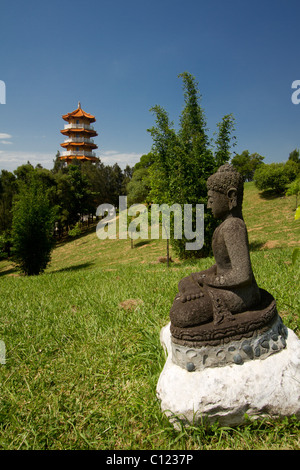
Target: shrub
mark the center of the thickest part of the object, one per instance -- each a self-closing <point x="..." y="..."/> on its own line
<point x="275" y="176"/>
<point x="246" y="164"/>
<point x="75" y="231"/>
<point x="2" y="246"/>
<point x="32" y="228"/>
<point x="294" y="190"/>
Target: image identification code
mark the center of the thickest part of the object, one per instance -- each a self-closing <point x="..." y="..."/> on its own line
<point x="154" y="459"/>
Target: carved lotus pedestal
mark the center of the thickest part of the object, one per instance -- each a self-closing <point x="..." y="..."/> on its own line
<point x="250" y="365"/>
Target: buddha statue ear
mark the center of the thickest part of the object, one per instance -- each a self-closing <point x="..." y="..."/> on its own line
<point x="232" y="196"/>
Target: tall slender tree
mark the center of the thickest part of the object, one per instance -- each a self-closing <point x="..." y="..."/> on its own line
<point x="224" y="139"/>
<point x="164" y="144"/>
<point x="183" y="160"/>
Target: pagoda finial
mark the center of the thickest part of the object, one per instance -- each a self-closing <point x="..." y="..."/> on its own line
<point x="79" y="105"/>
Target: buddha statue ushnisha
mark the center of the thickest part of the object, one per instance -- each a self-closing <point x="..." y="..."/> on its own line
<point x="228" y="287"/>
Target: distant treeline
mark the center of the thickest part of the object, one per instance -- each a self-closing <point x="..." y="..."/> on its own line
<point x="73" y="191"/>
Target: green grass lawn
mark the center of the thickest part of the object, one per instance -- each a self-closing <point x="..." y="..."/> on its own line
<point x="83" y="355"/>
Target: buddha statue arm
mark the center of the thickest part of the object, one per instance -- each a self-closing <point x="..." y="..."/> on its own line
<point x="200" y="276"/>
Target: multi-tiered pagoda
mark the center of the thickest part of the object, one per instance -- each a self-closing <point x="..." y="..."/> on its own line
<point x="78" y="143"/>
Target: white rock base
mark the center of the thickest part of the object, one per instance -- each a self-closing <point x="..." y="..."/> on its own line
<point x="260" y="388"/>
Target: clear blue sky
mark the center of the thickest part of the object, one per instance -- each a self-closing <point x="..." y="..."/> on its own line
<point x="119" y="58"/>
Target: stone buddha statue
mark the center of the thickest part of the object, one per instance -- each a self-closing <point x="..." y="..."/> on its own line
<point x="228" y="287"/>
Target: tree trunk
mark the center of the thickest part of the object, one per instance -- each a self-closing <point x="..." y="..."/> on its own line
<point x="168" y="252"/>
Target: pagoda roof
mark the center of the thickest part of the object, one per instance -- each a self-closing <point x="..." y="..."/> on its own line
<point x="79" y="113"/>
<point x="79" y="144"/>
<point x="78" y="157"/>
<point x="91" y="132"/>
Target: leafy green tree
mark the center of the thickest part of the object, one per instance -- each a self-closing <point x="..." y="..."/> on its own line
<point x="58" y="164"/>
<point x="81" y="187"/>
<point x="163" y="149"/>
<point x="100" y="181"/>
<point x="224" y="139"/>
<point x="63" y="202"/>
<point x="193" y="129"/>
<point x="73" y="190"/>
<point x="32" y="228"/>
<point x="139" y="187"/>
<point x="126" y="178"/>
<point x="145" y="161"/>
<point x="10" y="184"/>
<point x="294" y="190"/>
<point x="183" y="160"/>
<point x="292" y="170"/>
<point x="24" y="172"/>
<point x="79" y="197"/>
<point x="113" y="183"/>
<point x="275" y="176"/>
<point x="94" y="174"/>
<point x="116" y="184"/>
<point x="294" y="156"/>
<point x="138" y="181"/>
<point x="246" y="164"/>
<point x="193" y="163"/>
<point x="8" y="189"/>
<point x="165" y="162"/>
<point x="73" y="197"/>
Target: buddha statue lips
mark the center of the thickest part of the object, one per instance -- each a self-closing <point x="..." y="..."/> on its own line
<point x="228" y="287"/>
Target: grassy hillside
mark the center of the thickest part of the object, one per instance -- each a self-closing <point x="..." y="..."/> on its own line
<point x="270" y="222"/>
<point x="270" y="219"/>
<point x="83" y="352"/>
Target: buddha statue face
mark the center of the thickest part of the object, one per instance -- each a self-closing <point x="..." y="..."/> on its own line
<point x="221" y="204"/>
<point x="225" y="192"/>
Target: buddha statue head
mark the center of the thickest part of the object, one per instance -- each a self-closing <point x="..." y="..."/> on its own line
<point x="225" y="192"/>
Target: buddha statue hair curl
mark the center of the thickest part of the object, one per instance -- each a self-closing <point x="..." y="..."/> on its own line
<point x="225" y="179"/>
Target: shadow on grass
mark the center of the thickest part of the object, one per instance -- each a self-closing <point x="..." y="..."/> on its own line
<point x="76" y="267"/>
<point x="270" y="194"/>
<point x="12" y="270"/>
<point x="141" y="243"/>
<point x="255" y="246"/>
<point x="67" y="239"/>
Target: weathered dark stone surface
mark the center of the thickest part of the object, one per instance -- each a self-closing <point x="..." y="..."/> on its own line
<point x="194" y="356"/>
<point x="242" y="325"/>
<point x="223" y="302"/>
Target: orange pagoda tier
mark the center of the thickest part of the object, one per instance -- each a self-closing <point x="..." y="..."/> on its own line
<point x="78" y="143"/>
